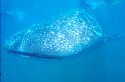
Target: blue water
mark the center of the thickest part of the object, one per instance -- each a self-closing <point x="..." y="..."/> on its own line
<point x="103" y="64"/>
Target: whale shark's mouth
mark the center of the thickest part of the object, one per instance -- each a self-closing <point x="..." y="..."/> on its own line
<point x="66" y="35"/>
<point x="33" y="55"/>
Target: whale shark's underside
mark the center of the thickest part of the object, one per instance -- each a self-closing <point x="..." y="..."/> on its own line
<point x="65" y="35"/>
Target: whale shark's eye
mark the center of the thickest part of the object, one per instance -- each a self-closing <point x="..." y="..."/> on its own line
<point x="65" y="35"/>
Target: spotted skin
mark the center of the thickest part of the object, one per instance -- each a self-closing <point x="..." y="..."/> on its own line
<point x="65" y="35"/>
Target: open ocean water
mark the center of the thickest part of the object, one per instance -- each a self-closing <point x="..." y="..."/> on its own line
<point x="103" y="63"/>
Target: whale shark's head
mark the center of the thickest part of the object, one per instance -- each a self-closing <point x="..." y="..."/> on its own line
<point x="65" y="35"/>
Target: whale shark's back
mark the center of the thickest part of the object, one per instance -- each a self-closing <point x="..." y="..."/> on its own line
<point x="65" y="35"/>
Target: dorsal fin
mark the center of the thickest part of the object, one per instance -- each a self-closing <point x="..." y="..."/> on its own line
<point x="92" y="4"/>
<point x="86" y="6"/>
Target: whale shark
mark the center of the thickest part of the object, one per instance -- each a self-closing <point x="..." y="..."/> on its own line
<point x="65" y="35"/>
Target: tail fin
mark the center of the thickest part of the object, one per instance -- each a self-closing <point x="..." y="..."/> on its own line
<point x="115" y="37"/>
